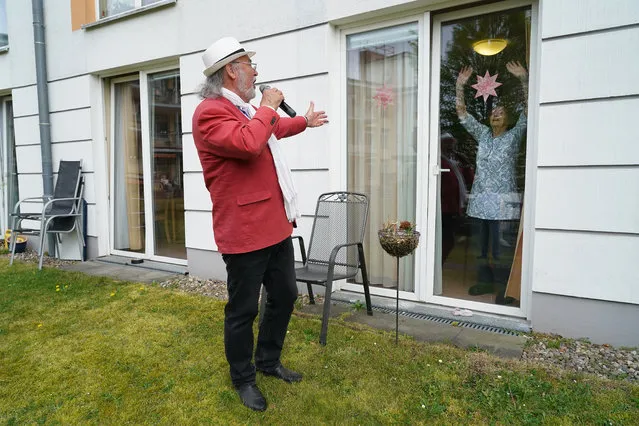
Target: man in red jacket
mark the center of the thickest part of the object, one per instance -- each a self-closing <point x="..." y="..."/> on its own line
<point x="254" y="209"/>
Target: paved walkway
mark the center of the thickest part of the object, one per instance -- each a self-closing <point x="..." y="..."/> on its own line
<point x="120" y="269"/>
<point x="503" y="345"/>
<point x="422" y="330"/>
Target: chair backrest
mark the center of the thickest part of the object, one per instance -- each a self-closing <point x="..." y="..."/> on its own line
<point x="340" y="218"/>
<point x="68" y="185"/>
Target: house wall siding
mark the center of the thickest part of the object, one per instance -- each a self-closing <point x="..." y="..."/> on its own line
<point x="587" y="208"/>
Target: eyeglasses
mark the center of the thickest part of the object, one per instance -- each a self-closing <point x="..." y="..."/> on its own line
<point x="252" y="64"/>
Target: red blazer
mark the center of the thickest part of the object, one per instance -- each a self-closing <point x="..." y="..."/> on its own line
<point x="248" y="206"/>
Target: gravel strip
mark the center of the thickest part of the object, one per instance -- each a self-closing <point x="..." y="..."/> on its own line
<point x="572" y="355"/>
<point x="32" y="257"/>
<point x="580" y="356"/>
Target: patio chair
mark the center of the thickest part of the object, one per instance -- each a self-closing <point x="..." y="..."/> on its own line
<point x="61" y="214"/>
<point x="335" y="250"/>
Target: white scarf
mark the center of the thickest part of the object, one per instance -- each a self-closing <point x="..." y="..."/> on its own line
<point x="284" y="177"/>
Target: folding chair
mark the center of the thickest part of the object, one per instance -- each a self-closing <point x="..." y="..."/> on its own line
<point x="61" y="214"/>
<point x="335" y="251"/>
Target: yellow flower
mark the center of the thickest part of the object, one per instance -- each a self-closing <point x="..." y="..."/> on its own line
<point x="39" y="325"/>
<point x="113" y="294"/>
<point x="57" y="289"/>
<point x="142" y="288"/>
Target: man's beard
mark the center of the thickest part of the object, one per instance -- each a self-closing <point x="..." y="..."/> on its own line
<point x="246" y="87"/>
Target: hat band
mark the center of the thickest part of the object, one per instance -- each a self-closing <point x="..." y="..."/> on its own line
<point x="232" y="53"/>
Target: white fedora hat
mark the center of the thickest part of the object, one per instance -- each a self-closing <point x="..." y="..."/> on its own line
<point x="221" y="53"/>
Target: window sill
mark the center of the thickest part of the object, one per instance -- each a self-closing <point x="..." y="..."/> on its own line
<point x="129" y="14"/>
<point x="4" y="49"/>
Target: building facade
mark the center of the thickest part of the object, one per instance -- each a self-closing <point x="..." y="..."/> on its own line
<point x="527" y="202"/>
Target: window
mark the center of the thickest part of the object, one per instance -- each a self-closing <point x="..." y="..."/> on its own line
<point x="148" y="184"/>
<point x="4" y="33"/>
<point x="115" y="7"/>
<point x="382" y="77"/>
<point x="482" y="119"/>
<point x="8" y="166"/>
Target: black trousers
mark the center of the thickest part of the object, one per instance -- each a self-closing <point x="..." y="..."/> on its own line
<point x="489" y="230"/>
<point x="275" y="268"/>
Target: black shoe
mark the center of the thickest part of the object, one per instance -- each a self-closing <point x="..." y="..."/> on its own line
<point x="282" y="373"/>
<point x="251" y="396"/>
<point x="481" y="288"/>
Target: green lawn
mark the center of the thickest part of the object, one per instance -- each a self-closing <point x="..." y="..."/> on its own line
<point x="76" y="349"/>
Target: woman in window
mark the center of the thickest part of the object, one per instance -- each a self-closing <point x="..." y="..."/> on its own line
<point x="493" y="197"/>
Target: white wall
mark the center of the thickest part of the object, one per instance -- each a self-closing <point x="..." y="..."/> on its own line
<point x="17" y="66"/>
<point x="587" y="207"/>
<point x="302" y="76"/>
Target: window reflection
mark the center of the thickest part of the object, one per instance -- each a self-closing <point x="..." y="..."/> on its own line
<point x="382" y="72"/>
<point x="129" y="206"/>
<point x="166" y="145"/>
<point x="4" y="33"/>
<point x="483" y="106"/>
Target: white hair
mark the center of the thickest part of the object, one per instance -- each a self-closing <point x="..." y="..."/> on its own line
<point x="212" y="86"/>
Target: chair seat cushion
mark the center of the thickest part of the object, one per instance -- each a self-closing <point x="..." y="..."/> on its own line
<point x="317" y="273"/>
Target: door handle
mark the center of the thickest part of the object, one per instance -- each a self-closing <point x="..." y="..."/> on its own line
<point x="437" y="170"/>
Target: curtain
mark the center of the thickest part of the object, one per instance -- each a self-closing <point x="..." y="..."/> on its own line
<point x="382" y="124"/>
<point x="128" y="184"/>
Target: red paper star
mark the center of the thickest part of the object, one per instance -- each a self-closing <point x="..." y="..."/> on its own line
<point x="384" y="96"/>
<point x="486" y="86"/>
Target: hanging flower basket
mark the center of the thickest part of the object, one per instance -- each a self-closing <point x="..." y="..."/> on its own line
<point x="398" y="241"/>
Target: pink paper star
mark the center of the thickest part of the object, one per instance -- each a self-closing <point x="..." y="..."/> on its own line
<point x="486" y="86"/>
<point x="384" y="96"/>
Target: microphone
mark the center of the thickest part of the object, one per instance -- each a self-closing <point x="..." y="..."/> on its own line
<point x="283" y="105"/>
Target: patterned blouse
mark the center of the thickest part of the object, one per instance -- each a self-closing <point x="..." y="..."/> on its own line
<point x="494" y="193"/>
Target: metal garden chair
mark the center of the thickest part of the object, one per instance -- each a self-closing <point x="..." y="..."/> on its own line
<point x="61" y="214"/>
<point x="335" y="250"/>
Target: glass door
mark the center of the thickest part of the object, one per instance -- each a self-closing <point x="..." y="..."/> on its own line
<point x="8" y="166"/>
<point x="478" y="156"/>
<point x="147" y="198"/>
<point x="382" y="76"/>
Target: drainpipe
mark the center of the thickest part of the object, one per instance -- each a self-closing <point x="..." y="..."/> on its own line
<point x="43" y="100"/>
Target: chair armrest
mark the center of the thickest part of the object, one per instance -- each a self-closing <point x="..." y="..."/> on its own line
<point x="53" y="200"/>
<point x="302" y="248"/>
<point x="333" y="256"/>
<point x="28" y="200"/>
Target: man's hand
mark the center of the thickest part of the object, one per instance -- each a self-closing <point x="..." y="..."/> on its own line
<point x="315" y="118"/>
<point x="272" y="98"/>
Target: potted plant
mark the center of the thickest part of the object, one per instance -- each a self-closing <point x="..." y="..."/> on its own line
<point x="398" y="239"/>
<point x="21" y="242"/>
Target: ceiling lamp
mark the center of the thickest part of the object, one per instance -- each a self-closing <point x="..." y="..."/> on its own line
<point x="490" y="46"/>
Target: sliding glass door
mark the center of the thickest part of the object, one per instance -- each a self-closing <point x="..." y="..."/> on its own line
<point x="8" y="165"/>
<point x="479" y="109"/>
<point x="382" y="76"/>
<point x="147" y="198"/>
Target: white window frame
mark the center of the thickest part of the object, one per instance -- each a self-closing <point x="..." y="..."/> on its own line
<point x="3" y="167"/>
<point x="427" y="131"/>
<point x="4" y="48"/>
<point x="428" y="275"/>
<point x="101" y="5"/>
<point x="423" y="26"/>
<point x="149" y="235"/>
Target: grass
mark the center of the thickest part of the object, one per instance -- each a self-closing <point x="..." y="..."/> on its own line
<point x="76" y="349"/>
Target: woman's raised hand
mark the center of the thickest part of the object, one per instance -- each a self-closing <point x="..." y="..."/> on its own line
<point x="464" y="75"/>
<point x="516" y="69"/>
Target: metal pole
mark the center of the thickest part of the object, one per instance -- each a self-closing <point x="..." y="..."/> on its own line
<point x="397" y="305"/>
<point x="43" y="101"/>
